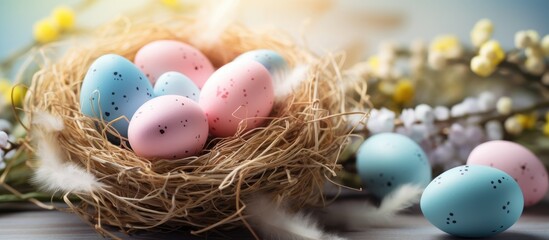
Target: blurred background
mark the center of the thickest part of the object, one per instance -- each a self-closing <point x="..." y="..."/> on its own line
<point x="326" y="24"/>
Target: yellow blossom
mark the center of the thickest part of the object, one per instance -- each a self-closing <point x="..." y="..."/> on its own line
<point x="481" y="32"/>
<point x="526" y="38"/>
<point x="484" y="25"/>
<point x="545" y="45"/>
<point x="404" y="92"/>
<point x="386" y="88"/>
<point x="436" y="60"/>
<point x="482" y="66"/>
<point x="504" y="105"/>
<point x="493" y="51"/>
<point x="6" y="90"/>
<point x="533" y="52"/>
<point x="478" y="38"/>
<point x="19" y="93"/>
<point x="512" y="126"/>
<point x="45" y="31"/>
<point x="171" y="3"/>
<point x="64" y="17"/>
<point x="534" y="36"/>
<point x="546" y="129"/>
<point x="5" y="87"/>
<point x="446" y="44"/>
<point x="373" y="63"/>
<point x="535" y="65"/>
<point x="527" y="121"/>
<point x="379" y="67"/>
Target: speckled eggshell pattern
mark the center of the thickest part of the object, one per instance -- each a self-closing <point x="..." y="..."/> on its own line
<point x="272" y="60"/>
<point x="517" y="161"/>
<point x="472" y="201"/>
<point x="386" y="161"/>
<point x="159" y="57"/>
<point x="238" y="90"/>
<point x="175" y="83"/>
<point x="168" y="127"/>
<point x="114" y="87"/>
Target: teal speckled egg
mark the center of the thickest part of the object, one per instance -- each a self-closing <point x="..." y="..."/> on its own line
<point x="271" y="60"/>
<point x="175" y="83"/>
<point x="472" y="201"/>
<point x="114" y="87"/>
<point x="386" y="161"/>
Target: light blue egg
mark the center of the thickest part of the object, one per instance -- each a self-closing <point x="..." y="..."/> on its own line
<point x="114" y="87"/>
<point x="386" y="161"/>
<point x="472" y="201"/>
<point x="273" y="61"/>
<point x="175" y="83"/>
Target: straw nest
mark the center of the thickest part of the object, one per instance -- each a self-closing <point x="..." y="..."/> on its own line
<point x="289" y="158"/>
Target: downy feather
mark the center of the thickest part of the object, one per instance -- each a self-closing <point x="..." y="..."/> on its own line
<point x="274" y="222"/>
<point x="53" y="174"/>
<point x="48" y="122"/>
<point x="216" y="19"/>
<point x="286" y="81"/>
<point x="359" y="215"/>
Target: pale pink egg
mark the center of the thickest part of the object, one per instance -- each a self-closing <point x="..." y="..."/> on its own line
<point x="161" y="56"/>
<point x="239" y="90"/>
<point x="518" y="162"/>
<point x="168" y="127"/>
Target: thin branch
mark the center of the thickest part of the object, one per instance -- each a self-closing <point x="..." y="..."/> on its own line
<point x="486" y="115"/>
<point x="537" y="106"/>
<point x="8" y="62"/>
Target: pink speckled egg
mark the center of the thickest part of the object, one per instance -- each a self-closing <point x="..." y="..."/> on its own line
<point x="162" y="56"/>
<point x="239" y="90"/>
<point x="168" y="126"/>
<point x="518" y="162"/>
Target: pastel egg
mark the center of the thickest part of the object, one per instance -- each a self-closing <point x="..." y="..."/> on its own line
<point x="517" y="161"/>
<point x="168" y="127"/>
<point x="472" y="201"/>
<point x="270" y="59"/>
<point x="112" y="88"/>
<point x="386" y="161"/>
<point x="175" y="83"/>
<point x="161" y="56"/>
<point x="240" y="91"/>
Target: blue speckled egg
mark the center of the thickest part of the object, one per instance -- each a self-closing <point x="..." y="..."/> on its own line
<point x="273" y="61"/>
<point x="386" y="161"/>
<point x="114" y="87"/>
<point x="175" y="83"/>
<point x="472" y="201"/>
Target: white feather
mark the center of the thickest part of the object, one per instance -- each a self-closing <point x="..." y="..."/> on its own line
<point x="216" y="20"/>
<point x="45" y="149"/>
<point x="274" y="222"/>
<point x="404" y="197"/>
<point x="49" y="122"/>
<point x="360" y="215"/>
<point x="53" y="174"/>
<point x="65" y="178"/>
<point x="287" y="81"/>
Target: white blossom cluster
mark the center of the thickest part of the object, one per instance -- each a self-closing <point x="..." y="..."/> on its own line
<point x="534" y="50"/>
<point x="448" y="135"/>
<point x="5" y="151"/>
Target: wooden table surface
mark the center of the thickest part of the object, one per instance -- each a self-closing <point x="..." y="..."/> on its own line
<point x="26" y="221"/>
